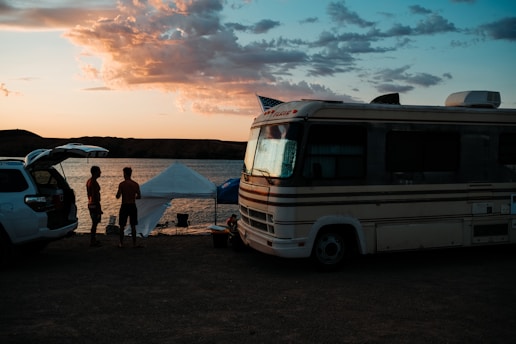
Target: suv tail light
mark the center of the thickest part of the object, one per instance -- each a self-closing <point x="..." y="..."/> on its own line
<point x="37" y="203"/>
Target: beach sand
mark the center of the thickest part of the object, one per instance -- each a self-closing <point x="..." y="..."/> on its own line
<point x="180" y="289"/>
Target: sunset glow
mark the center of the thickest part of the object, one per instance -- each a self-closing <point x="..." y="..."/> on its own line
<point x="191" y="68"/>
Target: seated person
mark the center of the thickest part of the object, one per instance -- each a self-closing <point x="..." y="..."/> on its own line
<point x="231" y="222"/>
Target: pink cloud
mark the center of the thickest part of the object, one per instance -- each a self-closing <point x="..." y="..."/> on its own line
<point x="179" y="46"/>
<point x="19" y="18"/>
<point x="4" y="90"/>
<point x="183" y="47"/>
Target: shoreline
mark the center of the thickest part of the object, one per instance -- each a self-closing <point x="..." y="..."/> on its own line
<point x="165" y="231"/>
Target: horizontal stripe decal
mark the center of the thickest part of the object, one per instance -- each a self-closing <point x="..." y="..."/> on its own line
<point x="377" y="197"/>
<point x="365" y="202"/>
<point x="387" y="220"/>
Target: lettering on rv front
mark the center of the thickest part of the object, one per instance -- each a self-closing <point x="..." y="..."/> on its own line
<point x="273" y="113"/>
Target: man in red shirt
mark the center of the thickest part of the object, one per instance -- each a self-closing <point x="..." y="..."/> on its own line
<point x="93" y="191"/>
<point x="129" y="190"/>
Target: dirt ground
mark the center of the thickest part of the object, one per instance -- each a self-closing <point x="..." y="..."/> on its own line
<point x="180" y="289"/>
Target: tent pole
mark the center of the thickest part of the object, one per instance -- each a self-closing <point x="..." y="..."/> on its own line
<point x="215" y="211"/>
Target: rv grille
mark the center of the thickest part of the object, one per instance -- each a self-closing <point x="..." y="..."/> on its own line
<point x="256" y="219"/>
<point x="257" y="214"/>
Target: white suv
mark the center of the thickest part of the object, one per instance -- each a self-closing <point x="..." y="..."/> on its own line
<point x="36" y="203"/>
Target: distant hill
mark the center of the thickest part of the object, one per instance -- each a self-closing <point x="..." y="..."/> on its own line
<point x="17" y="143"/>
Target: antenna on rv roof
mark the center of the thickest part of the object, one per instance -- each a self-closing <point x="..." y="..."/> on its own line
<point x="390" y="98"/>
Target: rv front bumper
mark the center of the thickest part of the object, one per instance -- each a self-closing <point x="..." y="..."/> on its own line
<point x="287" y="248"/>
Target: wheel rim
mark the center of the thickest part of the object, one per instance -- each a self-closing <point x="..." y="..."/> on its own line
<point x="330" y="248"/>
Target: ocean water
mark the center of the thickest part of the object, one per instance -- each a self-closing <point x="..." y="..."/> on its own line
<point x="201" y="211"/>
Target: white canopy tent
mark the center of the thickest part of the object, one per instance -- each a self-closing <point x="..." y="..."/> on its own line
<point x="176" y="181"/>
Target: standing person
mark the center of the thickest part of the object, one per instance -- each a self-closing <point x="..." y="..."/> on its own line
<point x="129" y="190"/>
<point x="93" y="191"/>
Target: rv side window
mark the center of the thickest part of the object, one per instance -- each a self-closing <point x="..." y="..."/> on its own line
<point x="412" y="151"/>
<point x="507" y="149"/>
<point x="335" y="151"/>
<point x="251" y="150"/>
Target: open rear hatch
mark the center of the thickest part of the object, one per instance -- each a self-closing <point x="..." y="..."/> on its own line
<point x="55" y="197"/>
<point x="44" y="158"/>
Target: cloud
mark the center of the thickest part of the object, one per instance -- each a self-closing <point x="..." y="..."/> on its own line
<point x="185" y="47"/>
<point x="434" y="24"/>
<point x="424" y="79"/>
<point x="5" y="7"/>
<point x="391" y="88"/>
<point x="341" y="50"/>
<point x="309" y="20"/>
<point x="54" y="18"/>
<point x="502" y="29"/>
<point x="260" y="27"/>
<point x="7" y="91"/>
<point x="4" y="89"/>
<point x="384" y="79"/>
<point x="419" y="10"/>
<point x="102" y="88"/>
<point x="237" y="26"/>
<point x="399" y="30"/>
<point x="340" y="14"/>
<point x="265" y="25"/>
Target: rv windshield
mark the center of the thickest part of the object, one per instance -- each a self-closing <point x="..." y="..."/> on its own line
<point x="271" y="150"/>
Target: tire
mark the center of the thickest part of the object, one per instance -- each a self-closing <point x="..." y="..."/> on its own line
<point x="34" y="247"/>
<point x="39" y="246"/>
<point x="330" y="250"/>
<point x="6" y="248"/>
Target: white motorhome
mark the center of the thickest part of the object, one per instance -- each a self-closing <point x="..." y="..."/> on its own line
<point x="327" y="179"/>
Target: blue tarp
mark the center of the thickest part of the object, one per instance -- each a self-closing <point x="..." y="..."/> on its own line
<point x="227" y="192"/>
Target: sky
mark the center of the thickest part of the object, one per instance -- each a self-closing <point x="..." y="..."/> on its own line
<point x="192" y="68"/>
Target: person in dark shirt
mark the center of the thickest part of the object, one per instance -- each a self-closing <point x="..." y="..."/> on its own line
<point x="231" y="222"/>
<point x="93" y="191"/>
<point x="129" y="190"/>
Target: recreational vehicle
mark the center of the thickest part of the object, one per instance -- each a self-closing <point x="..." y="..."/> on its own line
<point x="327" y="179"/>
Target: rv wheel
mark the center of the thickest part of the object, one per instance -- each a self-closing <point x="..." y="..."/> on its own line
<point x="329" y="250"/>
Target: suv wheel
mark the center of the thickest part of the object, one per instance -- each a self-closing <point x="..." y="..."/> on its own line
<point x="6" y="248"/>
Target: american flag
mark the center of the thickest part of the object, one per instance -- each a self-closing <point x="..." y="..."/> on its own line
<point x="267" y="103"/>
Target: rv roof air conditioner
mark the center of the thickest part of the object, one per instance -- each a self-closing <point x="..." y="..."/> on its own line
<point x="481" y="99"/>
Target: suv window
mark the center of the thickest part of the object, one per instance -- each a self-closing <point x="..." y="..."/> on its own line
<point x="49" y="178"/>
<point x="45" y="178"/>
<point x="12" y="181"/>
